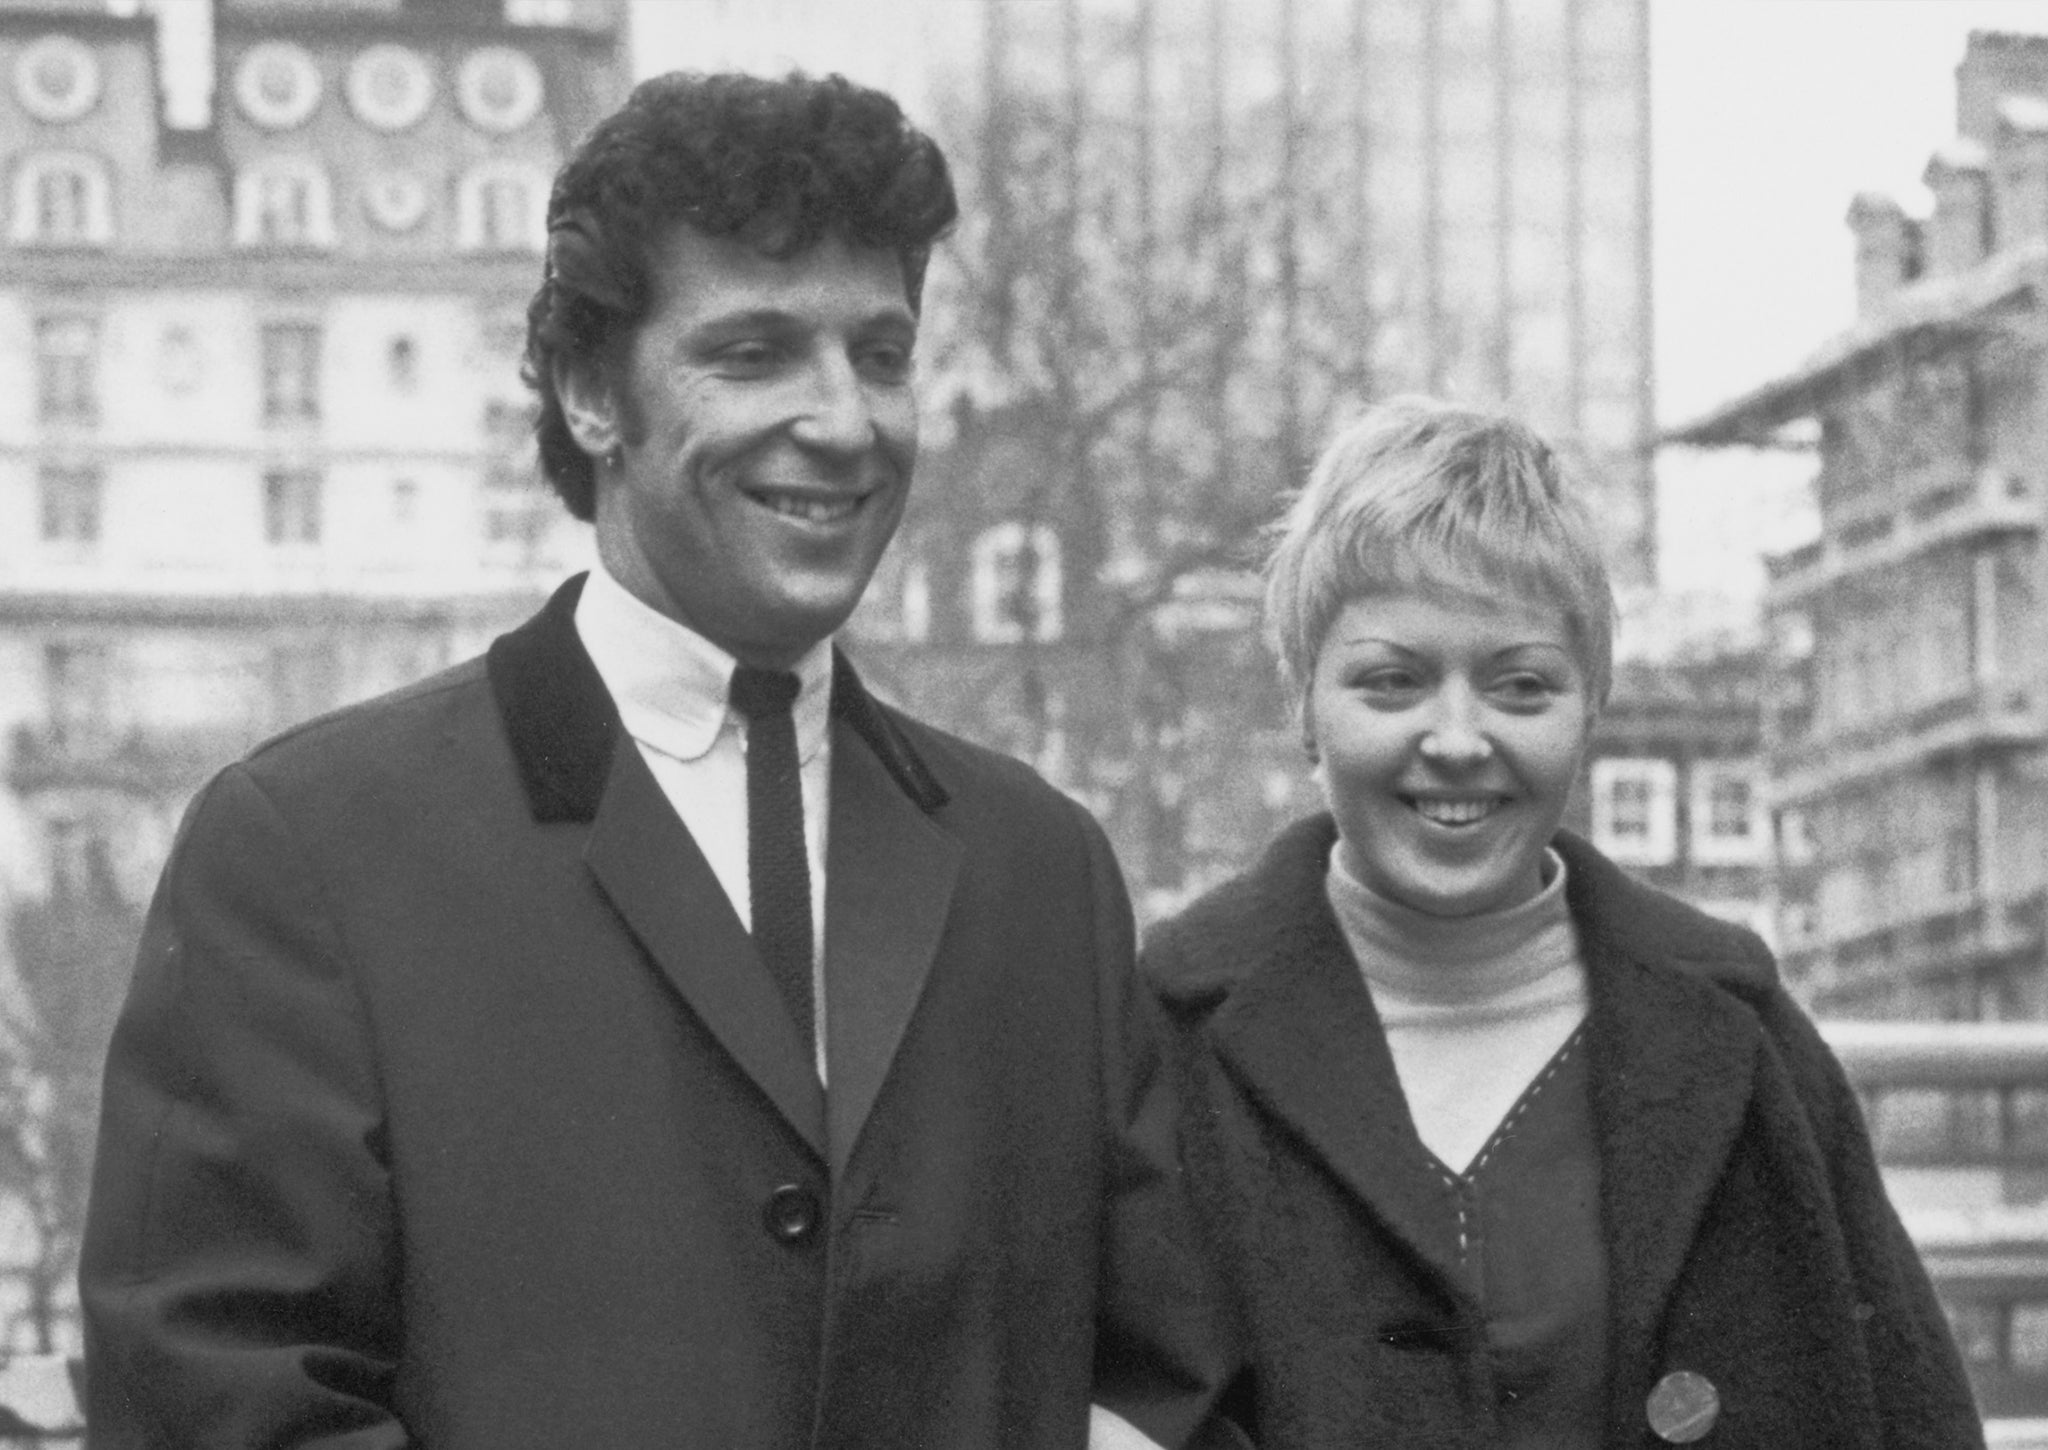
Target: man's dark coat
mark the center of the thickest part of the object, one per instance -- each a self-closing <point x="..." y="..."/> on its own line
<point x="1747" y="1231"/>
<point x="451" y="1106"/>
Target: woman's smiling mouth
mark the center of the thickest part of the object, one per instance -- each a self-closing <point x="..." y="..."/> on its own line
<point x="1463" y="811"/>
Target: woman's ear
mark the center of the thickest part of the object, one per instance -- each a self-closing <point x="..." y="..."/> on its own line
<point x="590" y="407"/>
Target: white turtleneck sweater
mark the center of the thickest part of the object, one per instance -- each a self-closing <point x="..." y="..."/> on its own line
<point x="1474" y="1007"/>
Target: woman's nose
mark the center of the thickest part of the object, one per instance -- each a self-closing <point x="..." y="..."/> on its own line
<point x="1457" y="735"/>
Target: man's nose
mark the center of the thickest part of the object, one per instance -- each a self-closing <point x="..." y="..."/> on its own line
<point x="1456" y="735"/>
<point x="835" y="413"/>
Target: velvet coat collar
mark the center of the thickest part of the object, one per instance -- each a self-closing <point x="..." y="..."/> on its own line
<point x="890" y="871"/>
<point x="1673" y="1039"/>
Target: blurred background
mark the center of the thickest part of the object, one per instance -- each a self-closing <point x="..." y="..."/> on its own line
<point x="1770" y="270"/>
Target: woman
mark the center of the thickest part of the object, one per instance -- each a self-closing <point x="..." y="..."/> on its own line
<point x="1497" y="1146"/>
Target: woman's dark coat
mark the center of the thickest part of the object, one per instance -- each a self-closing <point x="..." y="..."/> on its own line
<point x="1748" y="1236"/>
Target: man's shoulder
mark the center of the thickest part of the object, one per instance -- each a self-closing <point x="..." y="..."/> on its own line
<point x="394" y="732"/>
<point x="971" y="773"/>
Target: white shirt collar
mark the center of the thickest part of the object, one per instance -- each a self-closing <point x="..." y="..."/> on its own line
<point x="671" y="684"/>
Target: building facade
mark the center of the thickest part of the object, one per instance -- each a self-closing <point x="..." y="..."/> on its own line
<point x="263" y="444"/>
<point x="1909" y="719"/>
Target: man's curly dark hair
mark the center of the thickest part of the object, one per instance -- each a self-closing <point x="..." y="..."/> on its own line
<point x="782" y="164"/>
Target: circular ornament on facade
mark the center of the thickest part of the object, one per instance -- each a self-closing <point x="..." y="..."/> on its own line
<point x="390" y="87"/>
<point x="277" y="85"/>
<point x="499" y="88"/>
<point x="395" y="200"/>
<point x="57" y="78"/>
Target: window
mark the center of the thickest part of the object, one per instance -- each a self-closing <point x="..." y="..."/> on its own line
<point x="71" y="504"/>
<point x="517" y="513"/>
<point x="283" y="203"/>
<point x="1727" y="815"/>
<point x="1016" y="584"/>
<point x="1795" y="837"/>
<point x="540" y="12"/>
<point x="78" y="679"/>
<point x="502" y="208"/>
<point x="291" y="372"/>
<point x="403" y="362"/>
<point x="67" y="369"/>
<point x="62" y="200"/>
<point x="81" y="863"/>
<point x="302" y="682"/>
<point x="291" y="506"/>
<point x="1635" y="810"/>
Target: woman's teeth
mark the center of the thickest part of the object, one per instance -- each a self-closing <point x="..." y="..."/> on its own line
<point x="1455" y="813"/>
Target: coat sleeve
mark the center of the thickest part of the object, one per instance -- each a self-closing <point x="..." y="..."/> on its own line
<point x="1923" y="1394"/>
<point x="1163" y="1348"/>
<point x="239" y="1271"/>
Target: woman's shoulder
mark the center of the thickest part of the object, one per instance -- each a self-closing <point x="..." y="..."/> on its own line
<point x="1657" y="929"/>
<point x="1274" y="906"/>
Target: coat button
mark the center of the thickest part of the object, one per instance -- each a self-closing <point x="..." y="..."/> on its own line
<point x="1683" y="1407"/>
<point x="791" y="1213"/>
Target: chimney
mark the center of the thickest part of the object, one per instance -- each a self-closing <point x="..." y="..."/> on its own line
<point x="1959" y="234"/>
<point x="2019" y="171"/>
<point x="1997" y="65"/>
<point x="1887" y="249"/>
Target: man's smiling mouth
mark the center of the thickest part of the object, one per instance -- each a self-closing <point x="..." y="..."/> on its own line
<point x="810" y="510"/>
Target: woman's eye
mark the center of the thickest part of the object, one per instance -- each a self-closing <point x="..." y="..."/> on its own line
<point x="1525" y="689"/>
<point x="886" y="362"/>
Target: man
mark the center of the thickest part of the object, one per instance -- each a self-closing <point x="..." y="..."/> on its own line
<point x="641" y="1036"/>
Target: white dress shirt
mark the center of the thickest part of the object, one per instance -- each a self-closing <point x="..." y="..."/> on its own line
<point x="671" y="686"/>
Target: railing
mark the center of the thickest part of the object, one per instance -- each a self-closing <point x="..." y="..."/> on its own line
<point x="1959" y="1117"/>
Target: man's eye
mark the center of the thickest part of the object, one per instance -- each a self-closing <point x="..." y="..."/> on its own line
<point x="753" y="355"/>
<point x="1388" y="682"/>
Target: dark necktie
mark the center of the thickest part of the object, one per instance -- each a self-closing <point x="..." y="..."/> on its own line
<point x="778" y="868"/>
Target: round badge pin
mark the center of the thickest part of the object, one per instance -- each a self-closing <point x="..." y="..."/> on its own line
<point x="1683" y="1407"/>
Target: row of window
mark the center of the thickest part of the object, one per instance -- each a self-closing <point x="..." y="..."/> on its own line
<point x="67" y="385"/>
<point x="65" y="199"/>
<point x="73" y="504"/>
<point x="1634" y="803"/>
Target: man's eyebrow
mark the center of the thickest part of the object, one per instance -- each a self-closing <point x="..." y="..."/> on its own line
<point x="775" y="319"/>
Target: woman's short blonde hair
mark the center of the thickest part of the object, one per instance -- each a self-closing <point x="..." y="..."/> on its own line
<point x="1422" y="492"/>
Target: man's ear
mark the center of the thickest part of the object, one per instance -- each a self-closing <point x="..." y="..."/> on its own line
<point x="589" y="405"/>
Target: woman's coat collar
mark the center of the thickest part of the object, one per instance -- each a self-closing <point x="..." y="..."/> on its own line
<point x="1263" y="966"/>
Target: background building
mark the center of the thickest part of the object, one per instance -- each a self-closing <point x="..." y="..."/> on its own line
<point x="1906" y="742"/>
<point x="263" y="446"/>
<point x="1675" y="786"/>
<point x="1195" y="239"/>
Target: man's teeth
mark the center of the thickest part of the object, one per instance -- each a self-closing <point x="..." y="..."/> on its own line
<point x="813" y="510"/>
<point x="1455" y="813"/>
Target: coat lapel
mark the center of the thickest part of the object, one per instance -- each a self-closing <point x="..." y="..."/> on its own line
<point x="660" y="883"/>
<point x="1301" y="1035"/>
<point x="889" y="879"/>
<point x="1674" y="1062"/>
<point x="888" y="887"/>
